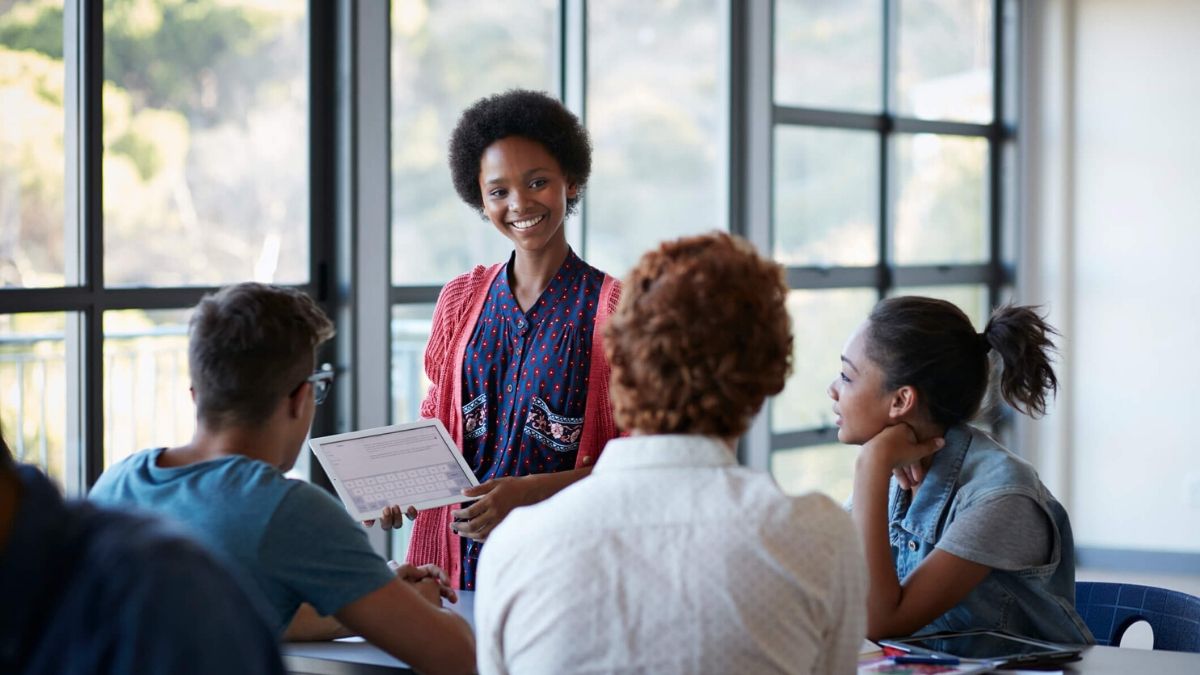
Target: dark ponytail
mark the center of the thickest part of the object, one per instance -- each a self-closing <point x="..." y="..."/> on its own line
<point x="1022" y="339"/>
<point x="929" y="344"/>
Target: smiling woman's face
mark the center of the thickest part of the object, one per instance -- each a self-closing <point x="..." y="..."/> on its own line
<point x="859" y="399"/>
<point x="525" y="193"/>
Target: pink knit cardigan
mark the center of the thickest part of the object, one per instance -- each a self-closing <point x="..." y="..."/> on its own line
<point x="454" y="318"/>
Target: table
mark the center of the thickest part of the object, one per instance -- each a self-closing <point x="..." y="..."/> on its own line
<point x="353" y="656"/>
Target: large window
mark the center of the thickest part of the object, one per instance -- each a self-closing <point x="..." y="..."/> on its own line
<point x="656" y="109"/>
<point x="129" y="190"/>
<point x="889" y="144"/>
<point x="153" y="150"/>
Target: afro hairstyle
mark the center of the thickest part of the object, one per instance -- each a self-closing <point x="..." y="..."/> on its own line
<point x="518" y="112"/>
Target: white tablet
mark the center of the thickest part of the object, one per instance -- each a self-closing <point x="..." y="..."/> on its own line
<point x="402" y="465"/>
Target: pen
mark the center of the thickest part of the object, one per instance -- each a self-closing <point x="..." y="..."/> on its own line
<point x="933" y="659"/>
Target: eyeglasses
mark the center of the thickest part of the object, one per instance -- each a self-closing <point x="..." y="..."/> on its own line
<point x="322" y="382"/>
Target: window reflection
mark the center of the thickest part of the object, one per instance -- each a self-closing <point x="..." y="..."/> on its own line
<point x="32" y="163"/>
<point x="655" y="105"/>
<point x="821" y="323"/>
<point x="33" y="390"/>
<point x="944" y="64"/>
<point x="147" y="399"/>
<point x="818" y="468"/>
<point x="447" y="54"/>
<point x="205" y="142"/>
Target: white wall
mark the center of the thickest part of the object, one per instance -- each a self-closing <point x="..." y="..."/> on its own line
<point x="1114" y="244"/>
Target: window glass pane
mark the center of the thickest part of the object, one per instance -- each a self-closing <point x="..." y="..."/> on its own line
<point x="1010" y="204"/>
<point x="33" y="390"/>
<point x="821" y="323"/>
<point x="205" y="142"/>
<point x="1011" y="86"/>
<point x="655" y="112"/>
<point x="971" y="299"/>
<point x="410" y="333"/>
<point x="826" y="196"/>
<point x="447" y="54"/>
<point x="32" y="163"/>
<point x="944" y="63"/>
<point x="147" y="403"/>
<point x="828" y="54"/>
<point x="818" y="468"/>
<point x="942" y="199"/>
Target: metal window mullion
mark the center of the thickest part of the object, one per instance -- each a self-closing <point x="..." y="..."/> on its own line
<point x="803" y="438"/>
<point x="573" y="81"/>
<point x="370" y="212"/>
<point x="811" y="278"/>
<point x="754" y="20"/>
<point x="837" y="119"/>
<point x="735" y="65"/>
<point x="323" y="282"/>
<point x="996" y="156"/>
<point x="885" y="210"/>
<point x="943" y="275"/>
<point x="74" y="300"/>
<point x="410" y="295"/>
<point x="362" y="122"/>
<point x="90" y="179"/>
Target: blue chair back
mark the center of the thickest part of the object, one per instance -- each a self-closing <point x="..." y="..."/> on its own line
<point x="1109" y="609"/>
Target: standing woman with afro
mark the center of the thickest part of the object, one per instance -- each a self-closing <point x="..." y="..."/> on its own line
<point x="515" y="357"/>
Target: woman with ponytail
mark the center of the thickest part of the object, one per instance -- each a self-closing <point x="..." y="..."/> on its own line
<point x="959" y="533"/>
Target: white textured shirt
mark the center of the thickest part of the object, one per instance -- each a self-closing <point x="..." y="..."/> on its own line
<point x="671" y="558"/>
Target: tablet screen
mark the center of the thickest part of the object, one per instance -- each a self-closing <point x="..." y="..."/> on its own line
<point x="983" y="645"/>
<point x="403" y="465"/>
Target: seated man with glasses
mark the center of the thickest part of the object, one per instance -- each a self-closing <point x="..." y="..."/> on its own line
<point x="250" y="351"/>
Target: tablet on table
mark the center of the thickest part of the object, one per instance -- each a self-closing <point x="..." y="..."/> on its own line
<point x="995" y="647"/>
<point x="415" y="464"/>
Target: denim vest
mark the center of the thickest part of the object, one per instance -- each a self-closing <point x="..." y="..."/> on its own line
<point x="1037" y="602"/>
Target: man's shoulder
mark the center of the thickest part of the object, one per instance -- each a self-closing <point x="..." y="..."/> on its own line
<point x="247" y="478"/>
<point x="126" y="470"/>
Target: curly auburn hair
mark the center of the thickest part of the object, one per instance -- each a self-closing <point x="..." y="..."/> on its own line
<point x="518" y="112"/>
<point x="700" y="338"/>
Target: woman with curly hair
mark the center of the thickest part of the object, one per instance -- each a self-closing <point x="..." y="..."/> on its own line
<point x="671" y="557"/>
<point x="959" y="533"/>
<point x="515" y="356"/>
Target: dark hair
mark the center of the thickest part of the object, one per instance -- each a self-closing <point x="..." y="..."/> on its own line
<point x="251" y="344"/>
<point x="518" y="112"/>
<point x="700" y="338"/>
<point x="931" y="345"/>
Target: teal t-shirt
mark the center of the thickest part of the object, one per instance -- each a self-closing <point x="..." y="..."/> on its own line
<point x="294" y="540"/>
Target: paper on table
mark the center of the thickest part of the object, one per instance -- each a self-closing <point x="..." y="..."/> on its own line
<point x="883" y="664"/>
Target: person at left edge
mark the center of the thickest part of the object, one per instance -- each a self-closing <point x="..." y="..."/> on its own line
<point x="89" y="590"/>
<point x="515" y="355"/>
